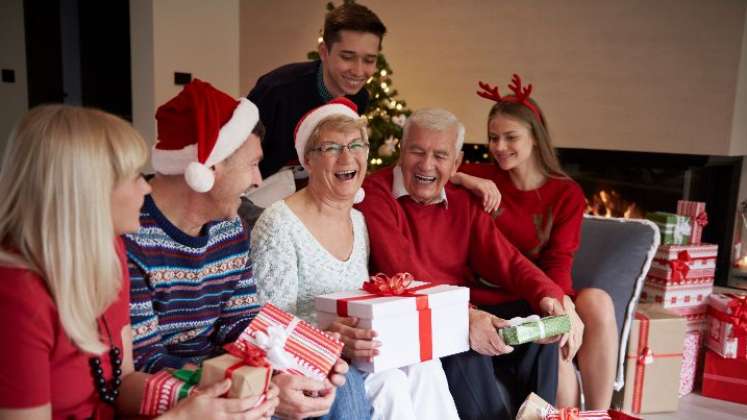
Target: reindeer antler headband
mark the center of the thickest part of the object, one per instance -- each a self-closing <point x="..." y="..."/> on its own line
<point x="520" y="96"/>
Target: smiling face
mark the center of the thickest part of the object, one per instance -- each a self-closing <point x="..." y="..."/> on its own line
<point x="349" y="62"/>
<point x="429" y="158"/>
<point x="510" y="142"/>
<point x="235" y="175"/>
<point x="337" y="173"/>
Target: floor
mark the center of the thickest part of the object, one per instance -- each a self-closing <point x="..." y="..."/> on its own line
<point x="695" y="406"/>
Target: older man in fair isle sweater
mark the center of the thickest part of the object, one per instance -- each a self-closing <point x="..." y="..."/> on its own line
<point x="419" y="224"/>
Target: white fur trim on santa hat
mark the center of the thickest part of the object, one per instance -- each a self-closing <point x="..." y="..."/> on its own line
<point x="312" y="119"/>
<point x="172" y="162"/>
<point x="235" y="132"/>
<point x="360" y="195"/>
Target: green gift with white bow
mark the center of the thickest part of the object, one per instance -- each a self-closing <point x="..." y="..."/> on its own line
<point x="533" y="328"/>
<point x="675" y="229"/>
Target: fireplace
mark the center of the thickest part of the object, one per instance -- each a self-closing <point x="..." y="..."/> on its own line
<point x="630" y="184"/>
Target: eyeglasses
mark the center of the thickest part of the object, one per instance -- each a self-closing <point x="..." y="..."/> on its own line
<point x="334" y="149"/>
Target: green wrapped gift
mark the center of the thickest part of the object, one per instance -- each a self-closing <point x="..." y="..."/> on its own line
<point x="533" y="328"/>
<point x="675" y="229"/>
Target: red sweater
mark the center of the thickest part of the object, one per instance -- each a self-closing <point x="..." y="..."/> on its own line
<point x="39" y="364"/>
<point x="544" y="223"/>
<point x="448" y="244"/>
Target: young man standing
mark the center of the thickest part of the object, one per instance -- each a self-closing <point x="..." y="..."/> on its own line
<point x="351" y="42"/>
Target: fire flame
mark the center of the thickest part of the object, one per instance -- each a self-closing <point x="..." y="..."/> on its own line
<point x="611" y="204"/>
<point x="742" y="262"/>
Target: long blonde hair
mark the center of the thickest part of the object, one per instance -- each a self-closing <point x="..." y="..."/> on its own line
<point x="56" y="180"/>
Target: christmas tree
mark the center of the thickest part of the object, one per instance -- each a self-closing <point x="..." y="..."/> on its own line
<point x="386" y="114"/>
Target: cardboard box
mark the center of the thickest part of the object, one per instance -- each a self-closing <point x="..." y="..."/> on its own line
<point x="246" y="381"/>
<point x="653" y="362"/>
<point x="432" y="321"/>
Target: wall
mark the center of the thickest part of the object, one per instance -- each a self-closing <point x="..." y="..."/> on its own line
<point x="635" y="75"/>
<point x="13" y="96"/>
<point x="194" y="36"/>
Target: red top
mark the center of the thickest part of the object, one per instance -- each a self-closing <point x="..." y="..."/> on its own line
<point x="448" y="244"/>
<point x="545" y="223"/>
<point x="38" y="362"/>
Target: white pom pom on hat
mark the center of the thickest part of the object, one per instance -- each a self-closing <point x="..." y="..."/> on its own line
<point x="307" y="124"/>
<point x="199" y="128"/>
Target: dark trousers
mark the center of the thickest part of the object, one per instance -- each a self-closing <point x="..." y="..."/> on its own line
<point x="493" y="387"/>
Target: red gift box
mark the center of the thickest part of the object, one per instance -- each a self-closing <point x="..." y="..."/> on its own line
<point x="696" y="211"/>
<point x="725" y="379"/>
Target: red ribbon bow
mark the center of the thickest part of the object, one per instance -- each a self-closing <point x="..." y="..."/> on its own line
<point x="702" y="218"/>
<point x="569" y="413"/>
<point x="680" y="266"/>
<point x="646" y="357"/>
<point x="738" y="317"/>
<point x="249" y="354"/>
<point x="383" y="285"/>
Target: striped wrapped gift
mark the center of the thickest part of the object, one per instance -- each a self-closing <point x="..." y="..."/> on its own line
<point x="293" y="346"/>
<point x="695" y="210"/>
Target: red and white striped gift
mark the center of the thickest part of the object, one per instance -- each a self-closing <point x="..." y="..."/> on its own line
<point x="312" y="350"/>
<point x="683" y="294"/>
<point x="696" y="211"/>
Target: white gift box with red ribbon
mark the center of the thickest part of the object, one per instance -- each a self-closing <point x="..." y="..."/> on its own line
<point x="425" y="322"/>
<point x="727" y="331"/>
<point x="681" y="275"/>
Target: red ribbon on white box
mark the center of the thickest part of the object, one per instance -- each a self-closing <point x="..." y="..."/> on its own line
<point x="382" y="285"/>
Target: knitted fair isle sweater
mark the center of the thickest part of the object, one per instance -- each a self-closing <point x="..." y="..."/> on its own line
<point x="189" y="295"/>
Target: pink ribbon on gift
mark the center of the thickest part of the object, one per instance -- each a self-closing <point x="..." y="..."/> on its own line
<point x="680" y="266"/>
<point x="381" y="285"/>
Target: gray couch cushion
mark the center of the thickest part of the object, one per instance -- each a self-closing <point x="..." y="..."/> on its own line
<point x="615" y="255"/>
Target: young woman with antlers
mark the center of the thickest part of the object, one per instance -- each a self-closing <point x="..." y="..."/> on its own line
<point x="540" y="213"/>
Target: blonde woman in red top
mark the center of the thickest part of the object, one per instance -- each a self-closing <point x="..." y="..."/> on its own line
<point x="70" y="185"/>
<point x="540" y="212"/>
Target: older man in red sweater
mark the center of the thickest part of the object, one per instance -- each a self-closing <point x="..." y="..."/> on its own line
<point x="419" y="223"/>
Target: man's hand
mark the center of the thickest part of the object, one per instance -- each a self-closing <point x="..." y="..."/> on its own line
<point x="302" y="397"/>
<point x="481" y="187"/>
<point x="483" y="333"/>
<point x="359" y="342"/>
<point x="571" y="341"/>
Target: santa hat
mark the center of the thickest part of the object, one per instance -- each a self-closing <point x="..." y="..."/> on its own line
<point x="199" y="128"/>
<point x="338" y="106"/>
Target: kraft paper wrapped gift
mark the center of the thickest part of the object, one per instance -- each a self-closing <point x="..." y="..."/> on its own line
<point x="533" y="328"/>
<point x="695" y="210"/>
<point x="725" y="379"/>
<point x="246" y="380"/>
<point x="292" y="345"/>
<point x="653" y="362"/>
<point x="727" y="330"/>
<point x="674" y="229"/>
<point x="423" y="321"/>
<point x="681" y="275"/>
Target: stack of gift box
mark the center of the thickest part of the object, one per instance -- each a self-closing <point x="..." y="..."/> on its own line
<point x="667" y="335"/>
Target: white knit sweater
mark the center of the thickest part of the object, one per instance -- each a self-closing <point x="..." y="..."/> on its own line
<point x="291" y="267"/>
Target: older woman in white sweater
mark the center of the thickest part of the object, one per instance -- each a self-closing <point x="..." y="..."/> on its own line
<point x="314" y="242"/>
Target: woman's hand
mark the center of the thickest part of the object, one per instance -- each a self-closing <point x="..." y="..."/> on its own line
<point x="481" y="187"/>
<point x="359" y="342"/>
<point x="207" y="403"/>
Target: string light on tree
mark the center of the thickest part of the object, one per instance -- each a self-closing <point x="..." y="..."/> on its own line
<point x="386" y="113"/>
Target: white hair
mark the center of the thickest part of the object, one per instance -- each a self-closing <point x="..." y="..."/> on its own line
<point x="437" y="119"/>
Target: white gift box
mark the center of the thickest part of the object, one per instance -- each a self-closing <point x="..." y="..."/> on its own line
<point x="404" y="324"/>
<point x="681" y="294"/>
<point x="721" y="336"/>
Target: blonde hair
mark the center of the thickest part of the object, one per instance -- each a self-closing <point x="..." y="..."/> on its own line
<point x="57" y="176"/>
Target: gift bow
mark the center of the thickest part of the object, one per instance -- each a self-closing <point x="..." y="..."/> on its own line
<point x="569" y="413"/>
<point x="681" y="228"/>
<point x="517" y="320"/>
<point x="383" y="285"/>
<point x="738" y="317"/>
<point x="646" y="357"/>
<point x="701" y="218"/>
<point x="680" y="266"/>
<point x="273" y="343"/>
<point x="249" y="354"/>
<point x="190" y="378"/>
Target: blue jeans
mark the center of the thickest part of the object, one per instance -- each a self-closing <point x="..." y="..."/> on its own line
<point x="350" y="402"/>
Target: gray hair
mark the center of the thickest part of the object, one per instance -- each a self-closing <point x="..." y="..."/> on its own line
<point x="437" y="119"/>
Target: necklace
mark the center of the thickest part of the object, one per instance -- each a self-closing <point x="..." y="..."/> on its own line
<point x="108" y="391"/>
